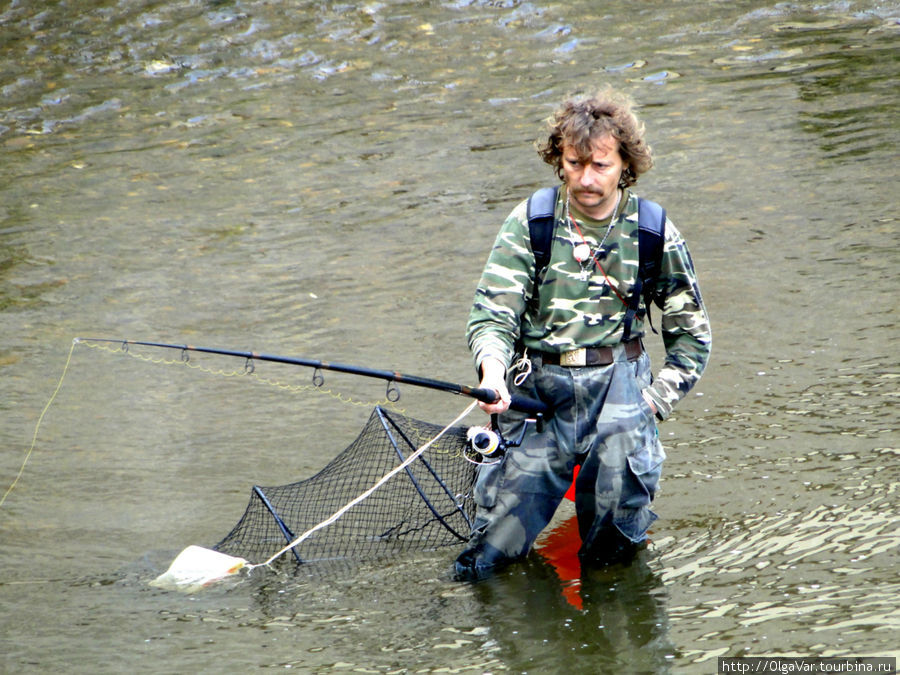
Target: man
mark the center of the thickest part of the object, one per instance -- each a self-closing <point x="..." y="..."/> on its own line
<point x="580" y="350"/>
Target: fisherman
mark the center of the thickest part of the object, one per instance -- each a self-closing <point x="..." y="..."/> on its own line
<point x="566" y="333"/>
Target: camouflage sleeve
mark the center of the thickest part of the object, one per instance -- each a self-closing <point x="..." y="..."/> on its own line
<point x="500" y="299"/>
<point x="685" y="326"/>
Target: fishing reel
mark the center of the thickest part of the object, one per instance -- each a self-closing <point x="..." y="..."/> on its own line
<point x="486" y="445"/>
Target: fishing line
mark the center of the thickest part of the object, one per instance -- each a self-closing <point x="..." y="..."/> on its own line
<point x="38" y="425"/>
<point x="248" y="371"/>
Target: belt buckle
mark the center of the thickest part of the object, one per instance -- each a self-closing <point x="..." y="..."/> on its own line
<point x="576" y="357"/>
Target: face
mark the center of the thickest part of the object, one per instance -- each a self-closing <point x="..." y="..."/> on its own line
<point x="593" y="182"/>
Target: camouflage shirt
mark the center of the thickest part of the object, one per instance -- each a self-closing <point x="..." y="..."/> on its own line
<point x="568" y="311"/>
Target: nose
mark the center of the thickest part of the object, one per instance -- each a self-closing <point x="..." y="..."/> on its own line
<point x="587" y="176"/>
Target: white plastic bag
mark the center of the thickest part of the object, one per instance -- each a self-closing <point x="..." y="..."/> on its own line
<point x="196" y="567"/>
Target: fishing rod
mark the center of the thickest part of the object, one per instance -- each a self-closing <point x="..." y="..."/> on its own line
<point x="520" y="403"/>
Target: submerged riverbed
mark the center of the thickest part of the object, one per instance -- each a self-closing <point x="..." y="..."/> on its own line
<point x="324" y="180"/>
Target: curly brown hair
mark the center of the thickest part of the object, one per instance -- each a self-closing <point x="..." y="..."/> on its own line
<point x="582" y="119"/>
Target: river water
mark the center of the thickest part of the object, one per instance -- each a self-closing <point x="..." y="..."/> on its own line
<point x="323" y="180"/>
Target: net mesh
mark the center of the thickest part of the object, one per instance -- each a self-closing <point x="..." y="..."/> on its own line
<point x="425" y="506"/>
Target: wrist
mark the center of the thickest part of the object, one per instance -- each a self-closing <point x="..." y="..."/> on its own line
<point x="492" y="369"/>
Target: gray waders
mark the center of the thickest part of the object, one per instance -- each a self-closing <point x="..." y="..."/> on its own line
<point x="602" y="423"/>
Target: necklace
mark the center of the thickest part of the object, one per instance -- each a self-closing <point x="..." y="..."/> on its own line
<point x="582" y="252"/>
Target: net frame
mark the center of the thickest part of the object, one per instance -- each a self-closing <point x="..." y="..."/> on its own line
<point x="425" y="506"/>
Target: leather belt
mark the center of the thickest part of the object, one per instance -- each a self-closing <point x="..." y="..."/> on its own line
<point x="591" y="356"/>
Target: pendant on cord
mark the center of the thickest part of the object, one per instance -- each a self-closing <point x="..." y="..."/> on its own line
<point x="581" y="252"/>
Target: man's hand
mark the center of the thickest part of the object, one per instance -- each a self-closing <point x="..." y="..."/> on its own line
<point x="649" y="401"/>
<point x="493" y="376"/>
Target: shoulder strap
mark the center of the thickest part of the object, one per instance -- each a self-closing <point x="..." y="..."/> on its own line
<point x="651" y="239"/>
<point x="541" y="221"/>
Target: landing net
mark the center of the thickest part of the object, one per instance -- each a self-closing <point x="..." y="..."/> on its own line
<point x="425" y="506"/>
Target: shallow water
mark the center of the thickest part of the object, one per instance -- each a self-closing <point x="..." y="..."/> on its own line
<point x="324" y="180"/>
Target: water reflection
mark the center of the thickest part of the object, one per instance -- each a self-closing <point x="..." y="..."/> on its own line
<point x="846" y="100"/>
<point x="548" y="615"/>
<point x="811" y="578"/>
<point x="818" y="566"/>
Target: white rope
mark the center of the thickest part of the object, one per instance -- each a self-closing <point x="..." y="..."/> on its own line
<point x="523" y="365"/>
<point x="328" y="521"/>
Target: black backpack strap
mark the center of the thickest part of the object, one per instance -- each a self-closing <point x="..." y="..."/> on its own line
<point x="651" y="239"/>
<point x="541" y="222"/>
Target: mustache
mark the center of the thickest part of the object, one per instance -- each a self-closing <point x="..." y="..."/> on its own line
<point x="588" y="191"/>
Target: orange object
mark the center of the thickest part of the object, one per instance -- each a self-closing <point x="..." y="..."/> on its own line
<point x="570" y="495"/>
<point x="560" y="549"/>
